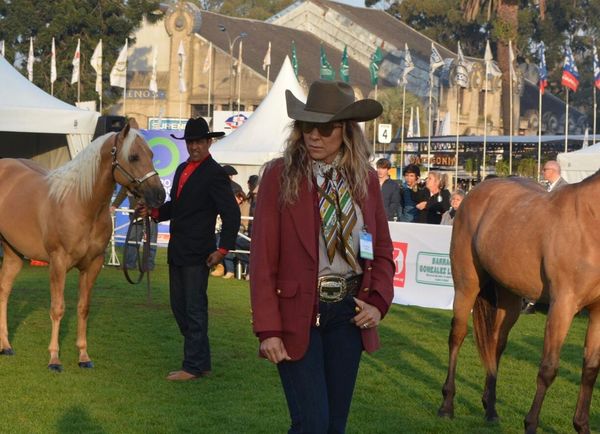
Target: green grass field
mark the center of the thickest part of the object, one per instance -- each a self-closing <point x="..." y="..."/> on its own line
<point x="134" y="344"/>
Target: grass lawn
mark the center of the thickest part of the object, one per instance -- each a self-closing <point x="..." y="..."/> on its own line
<point x="134" y="344"/>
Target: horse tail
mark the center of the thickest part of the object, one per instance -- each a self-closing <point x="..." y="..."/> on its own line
<point x="484" y="317"/>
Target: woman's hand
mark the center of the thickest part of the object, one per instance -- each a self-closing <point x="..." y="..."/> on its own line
<point x="421" y="205"/>
<point x="368" y="315"/>
<point x="274" y="350"/>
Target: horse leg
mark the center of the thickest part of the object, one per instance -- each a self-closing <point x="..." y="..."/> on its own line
<point x="559" y="320"/>
<point x="57" y="309"/>
<point x="463" y="302"/>
<point x="11" y="265"/>
<point x="508" y="309"/>
<point x="87" y="278"/>
<point x="589" y="372"/>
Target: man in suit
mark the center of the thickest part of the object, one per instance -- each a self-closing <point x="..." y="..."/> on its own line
<point x="551" y="173"/>
<point x="201" y="190"/>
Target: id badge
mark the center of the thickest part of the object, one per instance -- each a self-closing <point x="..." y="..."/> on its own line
<point x="366" y="245"/>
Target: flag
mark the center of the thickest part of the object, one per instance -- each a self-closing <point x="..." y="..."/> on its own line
<point x="511" y="62"/>
<point x="207" y="60"/>
<point x="75" y="63"/>
<point x="490" y="66"/>
<point x="435" y="60"/>
<point x="153" y="86"/>
<point x="326" y="72"/>
<point x="408" y="65"/>
<point x="294" y="59"/>
<point x="596" y="68"/>
<point x="181" y="67"/>
<point x="344" y="67"/>
<point x="376" y="60"/>
<point x="2" y="48"/>
<point x="570" y="75"/>
<point x="118" y="74"/>
<point x="239" y="61"/>
<point x="542" y="70"/>
<point x="96" y="62"/>
<point x="460" y="73"/>
<point x="30" y="60"/>
<point x="267" y="59"/>
<point x="53" y="63"/>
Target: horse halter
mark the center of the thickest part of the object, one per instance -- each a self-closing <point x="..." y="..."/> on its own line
<point x="129" y="176"/>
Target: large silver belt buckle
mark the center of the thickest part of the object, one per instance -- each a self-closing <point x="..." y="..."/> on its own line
<point x="331" y="288"/>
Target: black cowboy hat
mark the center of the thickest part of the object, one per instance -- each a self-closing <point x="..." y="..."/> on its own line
<point x="197" y="129"/>
<point x="330" y="101"/>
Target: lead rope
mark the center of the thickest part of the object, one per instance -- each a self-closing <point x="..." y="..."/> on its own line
<point x="143" y="261"/>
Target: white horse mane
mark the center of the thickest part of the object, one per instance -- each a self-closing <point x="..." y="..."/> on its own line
<point x="79" y="174"/>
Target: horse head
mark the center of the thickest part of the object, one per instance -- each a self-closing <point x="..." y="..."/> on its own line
<point x="133" y="168"/>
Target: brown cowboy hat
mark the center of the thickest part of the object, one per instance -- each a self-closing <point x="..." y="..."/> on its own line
<point x="197" y="129"/>
<point x="330" y="101"/>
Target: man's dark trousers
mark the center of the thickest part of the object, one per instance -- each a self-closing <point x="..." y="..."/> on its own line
<point x="189" y="303"/>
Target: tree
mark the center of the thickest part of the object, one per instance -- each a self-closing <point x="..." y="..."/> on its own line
<point x="66" y="21"/>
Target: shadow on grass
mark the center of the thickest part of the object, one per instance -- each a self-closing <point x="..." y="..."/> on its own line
<point x="77" y="420"/>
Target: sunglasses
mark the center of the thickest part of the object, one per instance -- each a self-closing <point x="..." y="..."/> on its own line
<point x="325" y="129"/>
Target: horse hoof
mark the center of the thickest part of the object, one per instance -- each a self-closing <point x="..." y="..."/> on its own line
<point x="445" y="413"/>
<point x="7" y="352"/>
<point x="86" y="365"/>
<point x="55" y="367"/>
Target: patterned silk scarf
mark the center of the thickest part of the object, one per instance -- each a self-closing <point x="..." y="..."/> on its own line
<point x="338" y="215"/>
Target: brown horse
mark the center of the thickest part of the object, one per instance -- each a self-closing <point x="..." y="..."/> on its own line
<point x="62" y="217"/>
<point x="513" y="240"/>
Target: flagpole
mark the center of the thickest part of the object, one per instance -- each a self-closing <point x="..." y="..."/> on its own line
<point x="125" y="94"/>
<point x="567" y="121"/>
<point x="375" y="125"/>
<point x="510" y="136"/>
<point x="210" y="51"/>
<point x="402" y="134"/>
<point x="595" y="107"/>
<point x="539" y="133"/>
<point x="485" y="99"/>
<point x="429" y="124"/>
<point x="457" y="136"/>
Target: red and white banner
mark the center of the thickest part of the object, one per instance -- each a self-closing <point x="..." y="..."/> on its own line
<point x="423" y="274"/>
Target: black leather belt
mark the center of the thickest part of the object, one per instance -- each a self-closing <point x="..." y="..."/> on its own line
<point x="333" y="288"/>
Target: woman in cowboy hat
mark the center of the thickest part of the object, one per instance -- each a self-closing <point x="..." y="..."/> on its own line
<point x="322" y="267"/>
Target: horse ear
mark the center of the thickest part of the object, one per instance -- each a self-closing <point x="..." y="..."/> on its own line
<point x="125" y="131"/>
<point x="133" y="124"/>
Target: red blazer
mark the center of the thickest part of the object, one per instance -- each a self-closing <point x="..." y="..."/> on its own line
<point x="284" y="265"/>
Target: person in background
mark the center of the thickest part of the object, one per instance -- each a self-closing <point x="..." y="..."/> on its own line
<point x="252" y="194"/>
<point x="390" y="190"/>
<point x="455" y="200"/>
<point x="241" y="243"/>
<point x="137" y="231"/>
<point x="412" y="193"/>
<point x="551" y="174"/>
<point x="321" y="271"/>
<point x="437" y="203"/>
<point x="231" y="172"/>
<point x="201" y="191"/>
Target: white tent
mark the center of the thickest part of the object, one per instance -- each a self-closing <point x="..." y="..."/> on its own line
<point x="262" y="137"/>
<point x="26" y="112"/>
<point x="580" y="164"/>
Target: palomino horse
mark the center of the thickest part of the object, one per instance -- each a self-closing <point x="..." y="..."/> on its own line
<point x="62" y="217"/>
<point x="512" y="240"/>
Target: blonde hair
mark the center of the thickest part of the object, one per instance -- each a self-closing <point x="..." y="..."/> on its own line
<point x="441" y="177"/>
<point x="354" y="163"/>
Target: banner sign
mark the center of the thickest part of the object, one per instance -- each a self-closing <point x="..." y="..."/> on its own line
<point x="423" y="274"/>
<point x="229" y="121"/>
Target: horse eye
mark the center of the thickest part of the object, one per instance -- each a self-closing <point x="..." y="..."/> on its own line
<point x="133" y="158"/>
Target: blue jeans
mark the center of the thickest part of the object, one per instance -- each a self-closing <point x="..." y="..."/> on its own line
<point x="319" y="387"/>
<point x="137" y="233"/>
<point x="189" y="303"/>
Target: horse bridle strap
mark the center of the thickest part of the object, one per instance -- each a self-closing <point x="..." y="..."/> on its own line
<point x="129" y="176"/>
